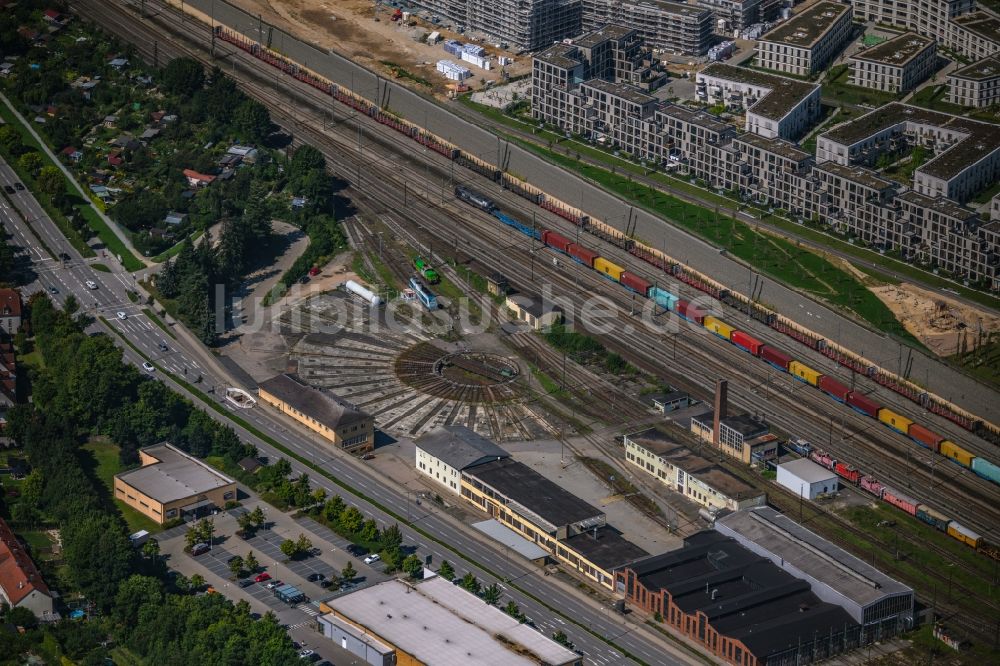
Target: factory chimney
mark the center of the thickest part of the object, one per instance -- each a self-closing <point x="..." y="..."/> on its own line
<point x="721" y="404"/>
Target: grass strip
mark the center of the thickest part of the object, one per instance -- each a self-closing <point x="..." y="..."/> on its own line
<point x="246" y="425"/>
<point x="171" y="252"/>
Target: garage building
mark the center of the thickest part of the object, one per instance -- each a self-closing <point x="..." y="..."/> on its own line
<point x="807" y="479"/>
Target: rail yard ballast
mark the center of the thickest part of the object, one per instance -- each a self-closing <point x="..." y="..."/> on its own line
<point x="675" y="269"/>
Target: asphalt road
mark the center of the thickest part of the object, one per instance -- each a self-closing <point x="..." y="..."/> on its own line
<point x="186" y="355"/>
<point x="938" y="377"/>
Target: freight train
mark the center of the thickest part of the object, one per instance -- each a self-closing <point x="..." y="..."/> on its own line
<point x="675" y="269"/>
<point x="426" y="270"/>
<point x="768" y="353"/>
<point x="900" y="500"/>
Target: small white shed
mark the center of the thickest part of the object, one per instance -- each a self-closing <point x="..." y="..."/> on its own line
<point x="806" y="478"/>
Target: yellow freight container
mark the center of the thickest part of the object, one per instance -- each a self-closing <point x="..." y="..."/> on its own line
<point x="804" y="372"/>
<point x="950" y="449"/>
<point x="719" y="327"/>
<point x="613" y="271"/>
<point x="894" y="420"/>
<point x="963" y="534"/>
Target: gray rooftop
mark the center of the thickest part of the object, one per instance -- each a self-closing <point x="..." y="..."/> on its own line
<point x="859" y="175"/>
<point x="897" y="51"/>
<point x="785" y="93"/>
<point x="176" y="476"/>
<point x="459" y="447"/>
<point x="533" y="493"/>
<point x="500" y="533"/>
<point x="807" y="28"/>
<point x="606" y="547"/>
<point x="442" y="624"/>
<point x="626" y="92"/>
<point x="777" y="146"/>
<point x="679" y="455"/>
<point x="320" y="404"/>
<point x="610" y="31"/>
<point x="807" y="470"/>
<point x="940" y="205"/>
<point x="984" y="70"/>
<point x="560" y="55"/>
<point x="784" y="539"/>
<point x="744" y="424"/>
<point x="666" y="7"/>
<point x="980" y="23"/>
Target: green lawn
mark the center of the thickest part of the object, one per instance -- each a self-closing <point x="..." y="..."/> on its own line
<point x="836" y="87"/>
<point x="105" y="457"/>
<point x="933" y="97"/>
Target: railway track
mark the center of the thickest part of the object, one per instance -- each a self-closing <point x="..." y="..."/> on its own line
<point x="881" y="449"/>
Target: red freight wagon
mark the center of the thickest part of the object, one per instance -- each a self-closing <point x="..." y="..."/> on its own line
<point x="926" y="437"/>
<point x="582" y="254"/>
<point x="863" y="404"/>
<point x="872" y="485"/>
<point x="823" y="458"/>
<point x="635" y="283"/>
<point x="833" y="387"/>
<point x="900" y="501"/>
<point x="747" y="342"/>
<point x="558" y="241"/>
<point x="846" y="471"/>
<point x="690" y="312"/>
<point x="775" y="357"/>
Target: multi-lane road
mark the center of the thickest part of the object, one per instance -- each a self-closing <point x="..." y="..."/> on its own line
<point x="564" y="607"/>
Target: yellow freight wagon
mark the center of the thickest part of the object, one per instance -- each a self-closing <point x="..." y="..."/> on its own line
<point x="804" y="372"/>
<point x="719" y="327"/>
<point x="613" y="271"/>
<point x="963" y="534"/>
<point x="950" y="449"/>
<point x="894" y="420"/>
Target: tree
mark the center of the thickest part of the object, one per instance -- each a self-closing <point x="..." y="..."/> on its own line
<point x="413" y="566"/>
<point x="197" y="582"/>
<point x="257" y="516"/>
<point x="319" y="496"/>
<point x="561" y="638"/>
<point x="10" y="141"/>
<point x="369" y="531"/>
<point x="30" y="162"/>
<point x="252" y="119"/>
<point x="183" y="77"/>
<point x="333" y="508"/>
<point x="134" y="593"/>
<point x="289" y="548"/>
<point x="250" y="562"/>
<point x="348" y="572"/>
<point x="303" y="544"/>
<point x="470" y="583"/>
<point x="446" y="571"/>
<point x="99" y="555"/>
<point x="151" y="549"/>
<point x="245" y="522"/>
<point x="50" y="180"/>
<point x="236" y="565"/>
<point x="513" y="610"/>
<point x="305" y="160"/>
<point x="351" y="519"/>
<point x="491" y="595"/>
<point x="391" y="537"/>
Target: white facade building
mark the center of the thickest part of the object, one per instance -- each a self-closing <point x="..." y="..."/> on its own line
<point x="806" y="479"/>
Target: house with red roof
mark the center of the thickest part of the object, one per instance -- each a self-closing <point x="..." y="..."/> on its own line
<point x="196" y="179"/>
<point x="21" y="585"/>
<point x="10" y="311"/>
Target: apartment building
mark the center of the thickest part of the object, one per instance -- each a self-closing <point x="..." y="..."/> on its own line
<point x="857" y="202"/>
<point x="897" y="65"/>
<point x="525" y="25"/>
<point x="966" y="152"/>
<point x="673" y="27"/>
<point x="808" y="41"/>
<point x="732" y="16"/>
<point x="694" y="141"/>
<point x="948" y="236"/>
<point x="775" y="106"/>
<point x="954" y="24"/>
<point x="977" y="84"/>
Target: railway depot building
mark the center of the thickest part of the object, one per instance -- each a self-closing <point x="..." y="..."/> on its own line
<point x="326" y="414"/>
<point x="977" y="84"/>
<point x="445" y="452"/>
<point x="897" y="65"/>
<point x="743" y="437"/>
<point x="808" y="41"/>
<point x="881" y="604"/>
<point x="172" y="484"/>
<point x="738" y="605"/>
<point x="684" y="471"/>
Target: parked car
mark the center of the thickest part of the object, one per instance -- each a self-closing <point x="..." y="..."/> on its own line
<point x="245" y="582"/>
<point x="233" y="559"/>
<point x="200" y="548"/>
<point x="315" y="577"/>
<point x="373" y="558"/>
<point x="306" y="654"/>
<point x="53" y="290"/>
<point x="356" y="550"/>
<point x="273" y="584"/>
<point x="315" y="552"/>
<point x="261" y="577"/>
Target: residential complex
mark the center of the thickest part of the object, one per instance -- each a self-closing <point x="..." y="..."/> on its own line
<point x="896" y="65"/>
<point x="10" y="311"/>
<point x="674" y="27"/>
<point x="333" y="418"/>
<point x="524" y="25"/>
<point x="431" y="621"/>
<point x="808" y="41"/>
<point x="171" y="484"/>
<point x="732" y="16"/>
<point x="977" y="84"/>
<point x="954" y="24"/>
<point x="684" y="471"/>
<point x="21" y="584"/>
